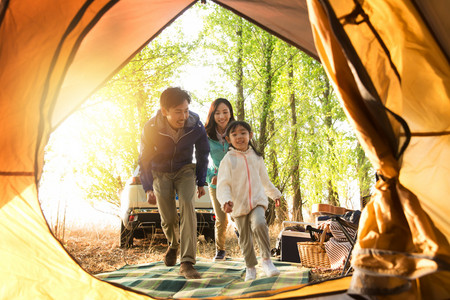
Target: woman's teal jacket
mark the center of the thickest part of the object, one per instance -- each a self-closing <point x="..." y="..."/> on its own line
<point x="217" y="151"/>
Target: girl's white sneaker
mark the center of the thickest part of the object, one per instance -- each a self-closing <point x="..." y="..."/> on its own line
<point x="269" y="268"/>
<point x="250" y="274"/>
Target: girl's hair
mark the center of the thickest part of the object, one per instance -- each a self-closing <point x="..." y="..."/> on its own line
<point x="232" y="126"/>
<point x="210" y="124"/>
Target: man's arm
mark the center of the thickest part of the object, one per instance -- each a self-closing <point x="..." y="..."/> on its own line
<point x="151" y="198"/>
<point x="145" y="160"/>
<point x="200" y="191"/>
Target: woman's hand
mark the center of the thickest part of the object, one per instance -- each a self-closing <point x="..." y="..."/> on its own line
<point x="228" y="207"/>
<point x="214" y="180"/>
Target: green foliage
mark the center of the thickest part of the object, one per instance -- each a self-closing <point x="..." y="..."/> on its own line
<point x="113" y="118"/>
<point x="322" y="143"/>
<point x="110" y="151"/>
<point x="134" y="94"/>
<point x="308" y="138"/>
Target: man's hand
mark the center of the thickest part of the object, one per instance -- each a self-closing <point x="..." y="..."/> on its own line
<point x="200" y="191"/>
<point x="151" y="198"/>
<point x="228" y="207"/>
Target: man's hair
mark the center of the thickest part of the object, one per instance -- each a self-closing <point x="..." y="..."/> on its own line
<point x="173" y="96"/>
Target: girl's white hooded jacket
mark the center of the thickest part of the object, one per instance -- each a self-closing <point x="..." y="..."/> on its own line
<point x="243" y="179"/>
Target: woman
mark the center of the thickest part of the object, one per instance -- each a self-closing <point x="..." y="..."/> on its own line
<point x="219" y="115"/>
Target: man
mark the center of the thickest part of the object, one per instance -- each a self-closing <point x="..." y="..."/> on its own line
<point x="167" y="147"/>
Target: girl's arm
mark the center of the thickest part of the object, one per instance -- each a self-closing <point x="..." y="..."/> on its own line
<point x="223" y="191"/>
<point x="228" y="207"/>
<point x="270" y="189"/>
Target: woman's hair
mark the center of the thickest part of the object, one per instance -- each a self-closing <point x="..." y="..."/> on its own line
<point x="232" y="126"/>
<point x="210" y="124"/>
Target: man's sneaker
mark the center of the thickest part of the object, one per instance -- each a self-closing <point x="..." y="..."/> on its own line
<point x="269" y="268"/>
<point x="170" y="258"/>
<point x="220" y="255"/>
<point x="250" y="274"/>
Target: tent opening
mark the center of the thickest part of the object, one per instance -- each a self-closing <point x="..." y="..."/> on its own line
<point x="93" y="153"/>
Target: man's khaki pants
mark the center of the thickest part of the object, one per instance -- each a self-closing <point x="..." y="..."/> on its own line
<point x="165" y="186"/>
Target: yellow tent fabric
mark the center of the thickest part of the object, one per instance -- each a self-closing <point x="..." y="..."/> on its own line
<point x="389" y="61"/>
<point x="404" y="232"/>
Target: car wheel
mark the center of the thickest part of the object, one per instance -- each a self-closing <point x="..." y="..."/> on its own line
<point x="126" y="237"/>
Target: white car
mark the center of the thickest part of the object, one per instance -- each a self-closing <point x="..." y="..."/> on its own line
<point x="140" y="220"/>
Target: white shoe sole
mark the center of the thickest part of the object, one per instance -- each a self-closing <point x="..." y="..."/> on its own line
<point x="272" y="274"/>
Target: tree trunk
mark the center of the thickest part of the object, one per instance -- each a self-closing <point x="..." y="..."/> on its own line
<point x="240" y="109"/>
<point x="274" y="175"/>
<point x="364" y="176"/>
<point x="333" y="198"/>
<point x="295" y="161"/>
<point x="267" y="93"/>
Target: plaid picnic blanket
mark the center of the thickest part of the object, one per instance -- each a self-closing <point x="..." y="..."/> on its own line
<point x="225" y="278"/>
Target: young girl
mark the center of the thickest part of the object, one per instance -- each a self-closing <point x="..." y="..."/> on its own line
<point x="243" y="186"/>
<point x="219" y="115"/>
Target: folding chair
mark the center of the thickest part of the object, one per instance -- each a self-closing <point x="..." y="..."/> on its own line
<point x="345" y="225"/>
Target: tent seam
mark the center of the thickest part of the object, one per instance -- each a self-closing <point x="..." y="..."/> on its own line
<point x="132" y="55"/>
<point x="4" y="6"/>
<point x="430" y="29"/>
<point x="360" y="73"/>
<point x="360" y="11"/>
<point x="315" y="56"/>
<point x="56" y="54"/>
<point x="16" y="173"/>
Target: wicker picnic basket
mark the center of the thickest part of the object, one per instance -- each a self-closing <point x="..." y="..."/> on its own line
<point x="313" y="254"/>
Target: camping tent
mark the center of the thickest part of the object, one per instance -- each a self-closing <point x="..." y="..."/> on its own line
<point x="389" y="63"/>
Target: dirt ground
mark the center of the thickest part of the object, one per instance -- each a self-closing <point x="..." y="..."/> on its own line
<point x="98" y="251"/>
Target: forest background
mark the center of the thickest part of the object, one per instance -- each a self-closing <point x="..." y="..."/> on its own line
<point x="309" y="147"/>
